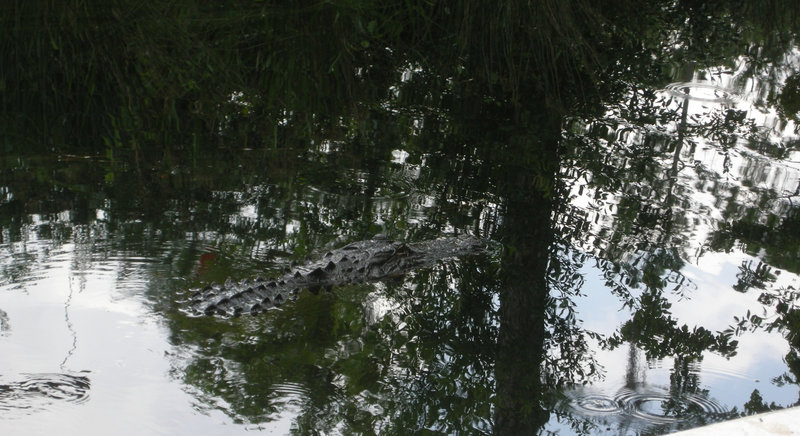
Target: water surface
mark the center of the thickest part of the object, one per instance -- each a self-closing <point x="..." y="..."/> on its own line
<point x="643" y="278"/>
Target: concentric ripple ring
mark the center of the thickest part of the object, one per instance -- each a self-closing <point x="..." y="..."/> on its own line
<point x="704" y="92"/>
<point x="659" y="407"/>
<point x="596" y="404"/>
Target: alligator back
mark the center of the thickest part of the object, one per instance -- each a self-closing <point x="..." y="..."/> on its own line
<point x="358" y="262"/>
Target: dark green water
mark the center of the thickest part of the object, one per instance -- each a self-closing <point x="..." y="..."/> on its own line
<point x="644" y="278"/>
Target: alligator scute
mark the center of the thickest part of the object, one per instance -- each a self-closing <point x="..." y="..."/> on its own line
<point x="364" y="261"/>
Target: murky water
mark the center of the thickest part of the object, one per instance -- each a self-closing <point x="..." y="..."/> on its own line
<point x="651" y="286"/>
<point x="96" y="339"/>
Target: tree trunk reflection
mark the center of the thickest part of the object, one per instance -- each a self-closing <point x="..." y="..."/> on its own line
<point x="527" y="234"/>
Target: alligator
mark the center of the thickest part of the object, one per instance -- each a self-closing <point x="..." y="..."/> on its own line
<point x="364" y="261"/>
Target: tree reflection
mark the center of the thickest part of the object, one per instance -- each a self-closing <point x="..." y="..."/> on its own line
<point x="269" y="132"/>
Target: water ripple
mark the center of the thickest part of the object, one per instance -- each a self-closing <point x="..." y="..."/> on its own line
<point x="352" y="183"/>
<point x="596" y="404"/>
<point x="36" y="391"/>
<point x="646" y="404"/>
<point x="659" y="406"/>
<point x="291" y="390"/>
<point x="5" y="326"/>
<point x="703" y="92"/>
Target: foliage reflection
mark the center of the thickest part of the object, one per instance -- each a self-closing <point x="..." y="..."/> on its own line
<point x="255" y="135"/>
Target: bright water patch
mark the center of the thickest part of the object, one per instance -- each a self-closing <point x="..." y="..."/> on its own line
<point x="702" y="92"/>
